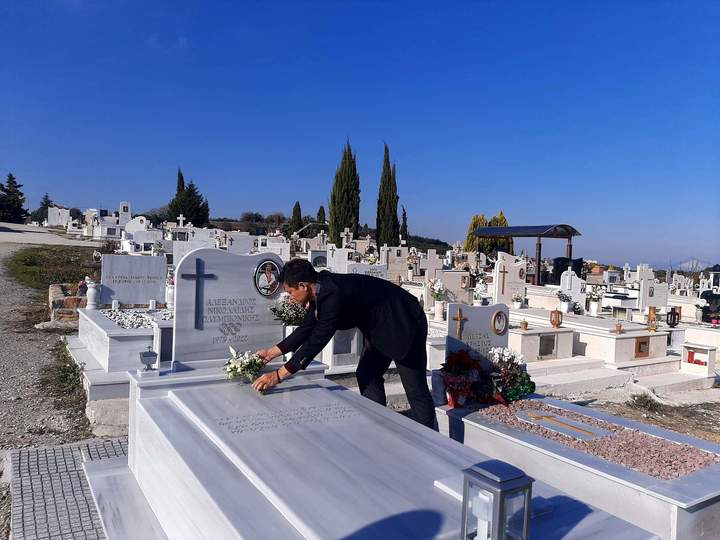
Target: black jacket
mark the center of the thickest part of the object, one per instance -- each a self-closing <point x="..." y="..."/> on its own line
<point x="388" y="316"/>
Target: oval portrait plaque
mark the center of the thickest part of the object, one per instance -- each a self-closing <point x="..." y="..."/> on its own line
<point x="499" y="323"/>
<point x="267" y="278"/>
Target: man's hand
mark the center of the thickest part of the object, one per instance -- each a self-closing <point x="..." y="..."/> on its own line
<point x="267" y="381"/>
<point x="269" y="354"/>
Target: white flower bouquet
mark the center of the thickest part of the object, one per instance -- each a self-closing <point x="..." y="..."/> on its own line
<point x="288" y="312"/>
<point x="247" y="365"/>
<point x="437" y="289"/>
<point x="595" y="294"/>
<point x="517" y="296"/>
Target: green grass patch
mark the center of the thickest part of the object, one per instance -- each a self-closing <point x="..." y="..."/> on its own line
<point x="63" y="378"/>
<point x="39" y="267"/>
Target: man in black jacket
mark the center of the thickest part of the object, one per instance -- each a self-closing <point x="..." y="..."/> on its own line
<point x="391" y="320"/>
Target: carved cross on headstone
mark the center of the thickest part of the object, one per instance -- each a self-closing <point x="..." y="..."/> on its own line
<point x="504" y="273"/>
<point x="332" y="251"/>
<point x="181" y="220"/>
<point x="199" y="276"/>
<point x="459" y="319"/>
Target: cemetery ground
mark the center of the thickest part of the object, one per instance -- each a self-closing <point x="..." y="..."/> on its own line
<point x="41" y="400"/>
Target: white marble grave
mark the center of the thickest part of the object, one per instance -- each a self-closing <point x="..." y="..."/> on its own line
<point x="132" y="280"/>
<point x="218" y="305"/>
<point x="571" y="284"/>
<point x="508" y="278"/>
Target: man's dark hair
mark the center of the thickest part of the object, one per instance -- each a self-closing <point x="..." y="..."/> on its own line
<point x="296" y="271"/>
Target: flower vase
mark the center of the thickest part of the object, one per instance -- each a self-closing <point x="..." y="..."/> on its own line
<point x="92" y="295"/>
<point x="594" y="308"/>
<point x="565" y="307"/>
<point x="698" y="315"/>
<point x="170" y="297"/>
<point x="517" y="305"/>
<point x="439" y="310"/>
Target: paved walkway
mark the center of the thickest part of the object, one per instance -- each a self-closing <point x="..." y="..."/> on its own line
<point x="29" y="234"/>
<point x="51" y="497"/>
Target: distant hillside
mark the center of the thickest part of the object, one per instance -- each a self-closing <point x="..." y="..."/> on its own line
<point x="422" y="243"/>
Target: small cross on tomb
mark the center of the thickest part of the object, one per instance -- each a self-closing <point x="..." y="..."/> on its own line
<point x="181" y="220"/>
<point x="459" y="319"/>
<point x="503" y="272"/>
<point x="199" y="276"/>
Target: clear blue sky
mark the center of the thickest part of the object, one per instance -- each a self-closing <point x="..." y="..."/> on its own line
<point x="604" y="115"/>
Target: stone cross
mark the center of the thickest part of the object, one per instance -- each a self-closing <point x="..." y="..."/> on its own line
<point x="503" y="272"/>
<point x="199" y="276"/>
<point x="332" y="251"/>
<point x="181" y="220"/>
<point x="459" y="319"/>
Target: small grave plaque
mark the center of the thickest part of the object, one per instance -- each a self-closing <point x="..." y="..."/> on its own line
<point x="563" y="425"/>
<point x="132" y="280"/>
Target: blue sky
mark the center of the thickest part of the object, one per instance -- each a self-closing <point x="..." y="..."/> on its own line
<point x="604" y="115"/>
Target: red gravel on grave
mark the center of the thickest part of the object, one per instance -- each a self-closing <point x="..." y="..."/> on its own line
<point x="654" y="456"/>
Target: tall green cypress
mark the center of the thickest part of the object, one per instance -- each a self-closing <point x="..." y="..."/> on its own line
<point x="321" y="215"/>
<point x="296" y="222"/>
<point x="403" y="225"/>
<point x="180" y="182"/>
<point x="345" y="197"/>
<point x="387" y="224"/>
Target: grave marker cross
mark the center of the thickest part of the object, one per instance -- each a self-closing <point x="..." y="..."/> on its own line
<point x="503" y="272"/>
<point x="459" y="319"/>
<point x="181" y="220"/>
<point x="199" y="276"/>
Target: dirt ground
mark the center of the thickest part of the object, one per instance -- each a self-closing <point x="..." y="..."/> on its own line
<point x="30" y="413"/>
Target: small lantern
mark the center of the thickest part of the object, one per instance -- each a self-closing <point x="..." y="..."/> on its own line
<point x="496" y="502"/>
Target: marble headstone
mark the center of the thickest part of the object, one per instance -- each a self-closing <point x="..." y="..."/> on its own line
<point x="240" y="243"/>
<point x="375" y="270"/>
<point x="652" y="294"/>
<point x="338" y="258"/>
<point x="218" y="304"/>
<point x="571" y="284"/>
<point x="181" y="248"/>
<point x="132" y="280"/>
<point x="477" y="329"/>
<point x="318" y="258"/>
<point x="508" y="278"/>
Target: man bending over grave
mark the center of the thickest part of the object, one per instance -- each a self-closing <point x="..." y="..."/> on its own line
<point x="391" y="320"/>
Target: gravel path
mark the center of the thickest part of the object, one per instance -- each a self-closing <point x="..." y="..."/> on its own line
<point x="27" y="416"/>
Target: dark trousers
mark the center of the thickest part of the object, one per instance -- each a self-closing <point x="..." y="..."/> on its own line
<point x="373" y="365"/>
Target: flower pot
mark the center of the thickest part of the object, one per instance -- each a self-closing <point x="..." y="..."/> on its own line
<point x="456" y="398"/>
<point x="439" y="310"/>
<point x="565" y="307"/>
<point x="698" y="315"/>
<point x="517" y="305"/>
<point x="92" y="295"/>
<point x="170" y="297"/>
<point x="594" y="308"/>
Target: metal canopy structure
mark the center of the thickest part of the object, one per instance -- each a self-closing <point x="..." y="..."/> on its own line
<point x="533" y="231"/>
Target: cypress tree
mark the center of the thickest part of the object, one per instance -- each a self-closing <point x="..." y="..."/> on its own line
<point x="321" y="215"/>
<point x="472" y="243"/>
<point x="345" y="197"/>
<point x="190" y="203"/>
<point x="12" y="201"/>
<point x="403" y="225"/>
<point x="180" y="182"/>
<point x="388" y="226"/>
<point x="41" y="213"/>
<point x="296" y="222"/>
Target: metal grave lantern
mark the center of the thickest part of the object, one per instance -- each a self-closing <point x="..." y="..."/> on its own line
<point x="496" y="502"/>
<point x="672" y="318"/>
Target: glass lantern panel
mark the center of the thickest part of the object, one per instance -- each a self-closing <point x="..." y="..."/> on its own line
<point x="514" y="525"/>
<point x="479" y="514"/>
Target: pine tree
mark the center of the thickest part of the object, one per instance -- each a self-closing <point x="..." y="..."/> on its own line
<point x="12" y="201"/>
<point x="296" y="222"/>
<point x="403" y="225"/>
<point x="190" y="203"/>
<point x="388" y="226"/>
<point x="41" y="213"/>
<point x="321" y="215"/>
<point x="345" y="197"/>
